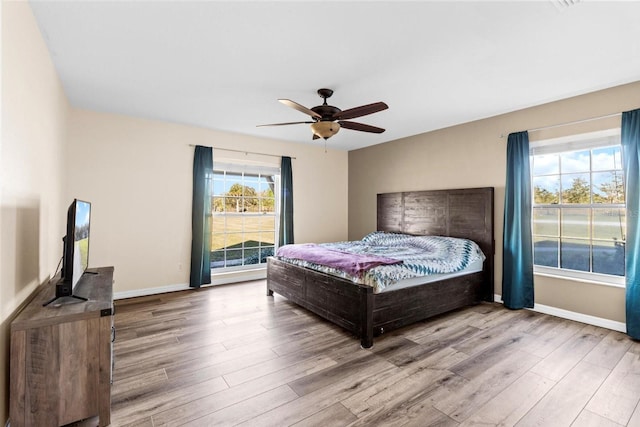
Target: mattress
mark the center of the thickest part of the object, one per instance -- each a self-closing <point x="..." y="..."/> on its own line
<point x="473" y="267"/>
<point x="423" y="259"/>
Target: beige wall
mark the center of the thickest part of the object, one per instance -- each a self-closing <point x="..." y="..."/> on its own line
<point x="473" y="155"/>
<point x="138" y="176"/>
<point x="34" y="110"/>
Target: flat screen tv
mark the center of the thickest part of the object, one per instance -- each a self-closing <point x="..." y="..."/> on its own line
<point x="76" y="246"/>
<point x="75" y="257"/>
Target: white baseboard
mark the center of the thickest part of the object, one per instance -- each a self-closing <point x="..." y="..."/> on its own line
<point x="217" y="279"/>
<point x="578" y="317"/>
<point x="150" y="291"/>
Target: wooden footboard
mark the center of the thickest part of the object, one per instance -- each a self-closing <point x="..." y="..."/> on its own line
<point x="357" y="309"/>
<point x="395" y="309"/>
<point x="344" y="303"/>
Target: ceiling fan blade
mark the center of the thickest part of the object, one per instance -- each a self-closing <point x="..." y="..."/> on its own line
<point x="284" y="124"/>
<point x="363" y="110"/>
<point x="361" y="127"/>
<point x="301" y="108"/>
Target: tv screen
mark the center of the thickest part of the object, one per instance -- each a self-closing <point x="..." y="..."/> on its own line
<point x="76" y="251"/>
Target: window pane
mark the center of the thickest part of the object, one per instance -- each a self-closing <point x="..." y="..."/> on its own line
<point x="218" y="223"/>
<point x="251" y="180"/>
<point x="267" y="238"/>
<point x="575" y="161"/>
<point x="266" y="183"/>
<point x="574" y="254"/>
<point x="609" y="224"/>
<point x="546" y="164"/>
<point x="546" y="221"/>
<point x="218" y="241"/>
<point x="251" y="223"/>
<point x="265" y="252"/>
<point x="251" y="204"/>
<point x="233" y="204"/>
<point x="545" y="251"/>
<point x="218" y="204"/>
<point x="546" y="189"/>
<point x="250" y="189"/>
<point x="576" y="188"/>
<point x="608" y="258"/>
<point x="267" y="204"/>
<point x="233" y="183"/>
<point x="606" y="159"/>
<point x="267" y="222"/>
<point x="217" y="259"/>
<point x="234" y="257"/>
<point x="608" y="187"/>
<point x="251" y="239"/>
<point x="233" y="240"/>
<point x="251" y="256"/>
<point x="575" y="223"/>
<point x="233" y="223"/>
<point x="218" y="184"/>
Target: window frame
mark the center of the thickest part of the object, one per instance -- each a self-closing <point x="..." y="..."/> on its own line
<point x="572" y="143"/>
<point x="238" y="168"/>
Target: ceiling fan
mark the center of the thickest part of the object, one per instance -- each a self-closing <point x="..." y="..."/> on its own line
<point x="327" y="119"/>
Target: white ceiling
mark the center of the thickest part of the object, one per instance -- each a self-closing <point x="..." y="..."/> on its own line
<point x="223" y="64"/>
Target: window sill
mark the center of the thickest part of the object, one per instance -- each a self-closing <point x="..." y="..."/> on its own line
<point x="227" y="277"/>
<point x="577" y="276"/>
<point x="238" y="269"/>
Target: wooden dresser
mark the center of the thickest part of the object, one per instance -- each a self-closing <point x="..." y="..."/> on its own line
<point x="61" y="355"/>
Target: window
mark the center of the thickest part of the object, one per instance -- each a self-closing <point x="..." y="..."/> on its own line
<point x="579" y="216"/>
<point x="244" y="211"/>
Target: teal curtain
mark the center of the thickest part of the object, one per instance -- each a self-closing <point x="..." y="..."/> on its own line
<point x="285" y="236"/>
<point x="201" y="217"/>
<point x="517" y="260"/>
<point x="630" y="139"/>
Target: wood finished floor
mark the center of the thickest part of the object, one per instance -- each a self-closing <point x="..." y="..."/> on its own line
<point x="230" y="355"/>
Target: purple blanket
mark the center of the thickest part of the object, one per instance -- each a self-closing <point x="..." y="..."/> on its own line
<point x="351" y="263"/>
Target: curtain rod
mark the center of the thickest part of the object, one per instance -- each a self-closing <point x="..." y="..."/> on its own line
<point x="242" y="151"/>
<point x="570" y="123"/>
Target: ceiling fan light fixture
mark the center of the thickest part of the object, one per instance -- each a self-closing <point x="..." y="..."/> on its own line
<point x="325" y="129"/>
<point x="327" y="119"/>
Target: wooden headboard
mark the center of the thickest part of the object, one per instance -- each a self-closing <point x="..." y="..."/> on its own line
<point x="466" y="213"/>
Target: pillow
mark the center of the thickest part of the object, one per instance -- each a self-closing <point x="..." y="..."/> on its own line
<point x="386" y="239"/>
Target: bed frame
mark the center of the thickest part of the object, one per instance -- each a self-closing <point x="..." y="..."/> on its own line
<point x="466" y="213"/>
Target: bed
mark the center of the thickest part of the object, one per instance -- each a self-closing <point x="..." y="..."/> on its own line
<point x="462" y="213"/>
